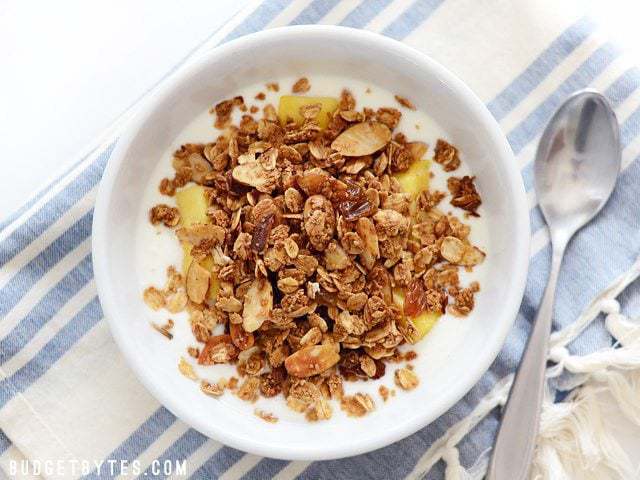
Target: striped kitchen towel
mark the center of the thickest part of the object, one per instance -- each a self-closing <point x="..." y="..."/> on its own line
<point x="65" y="391"/>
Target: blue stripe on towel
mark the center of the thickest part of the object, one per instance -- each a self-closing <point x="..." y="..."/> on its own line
<point x="540" y="68"/>
<point x="411" y="18"/>
<point x="20" y="284"/>
<point x="364" y="13"/>
<point x="258" y="19"/>
<point x="219" y="463"/>
<point x="314" y="12"/>
<point x="55" y="348"/>
<point x="45" y="309"/>
<point x="266" y="468"/>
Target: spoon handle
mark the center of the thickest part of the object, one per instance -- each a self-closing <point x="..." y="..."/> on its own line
<point x="514" y="446"/>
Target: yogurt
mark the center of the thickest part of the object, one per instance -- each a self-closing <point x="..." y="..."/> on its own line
<point x="157" y="247"/>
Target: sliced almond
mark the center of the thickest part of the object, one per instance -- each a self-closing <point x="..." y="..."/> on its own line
<point x="452" y="249"/>
<point x="369" y="236"/>
<point x="318" y="150"/>
<point x="312" y="360"/>
<point x="199" y="232"/>
<point x="406" y="379"/>
<point x="356" y="165"/>
<point x="362" y="139"/>
<point x="472" y="256"/>
<point x="218" y="349"/>
<point x="200" y="167"/>
<point x="212" y="389"/>
<point x="312" y="337"/>
<point x="197" y="282"/>
<point x="177" y="302"/>
<point x="186" y="369"/>
<point x="255" y="175"/>
<point x="357" y="405"/>
<point x="368" y="365"/>
<point x="258" y="303"/>
<point x="291" y="247"/>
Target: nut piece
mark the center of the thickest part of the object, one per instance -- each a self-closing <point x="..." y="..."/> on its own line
<point x="368" y="365"/>
<point x="319" y="221"/>
<point x="405" y="102"/>
<point x="362" y="139"/>
<point x="457" y="252"/>
<point x="218" y="349"/>
<point x="266" y="416"/>
<point x="312" y="360"/>
<point x="254" y="175"/>
<point x="367" y="233"/>
<point x="357" y="405"/>
<point x="258" y="303"/>
<point x="452" y="249"/>
<point x="212" y="389"/>
<point x="293" y="200"/>
<point x="197" y="282"/>
<point x="446" y="155"/>
<point x="201" y="232"/>
<point x="313" y="181"/>
<point x="186" y="369"/>
<point x="472" y="256"/>
<point x="464" y="194"/>
<point x="200" y="167"/>
<point x="154" y="298"/>
<point x="301" y="86"/>
<point x="335" y="257"/>
<point x="169" y="216"/>
<point x="406" y="379"/>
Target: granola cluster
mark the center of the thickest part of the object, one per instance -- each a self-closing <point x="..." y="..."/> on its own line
<point x="309" y="234"/>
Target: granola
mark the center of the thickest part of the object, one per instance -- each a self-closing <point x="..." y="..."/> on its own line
<point x="312" y="254"/>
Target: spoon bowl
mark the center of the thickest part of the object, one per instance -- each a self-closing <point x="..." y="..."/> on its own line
<point x="577" y="162"/>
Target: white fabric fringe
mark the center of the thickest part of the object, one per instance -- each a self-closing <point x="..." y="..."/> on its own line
<point x="575" y="439"/>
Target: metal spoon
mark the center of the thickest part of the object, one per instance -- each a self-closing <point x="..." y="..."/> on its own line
<point x="576" y="167"/>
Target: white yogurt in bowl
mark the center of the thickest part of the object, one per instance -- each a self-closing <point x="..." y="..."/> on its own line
<point x="129" y="254"/>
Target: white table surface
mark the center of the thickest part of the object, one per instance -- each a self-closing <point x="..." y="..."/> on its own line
<point x="70" y="68"/>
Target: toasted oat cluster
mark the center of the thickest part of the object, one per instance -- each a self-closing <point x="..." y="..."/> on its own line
<point x="310" y="264"/>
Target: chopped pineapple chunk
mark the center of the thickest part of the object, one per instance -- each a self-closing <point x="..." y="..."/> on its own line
<point x="423" y="323"/>
<point x="192" y="204"/>
<point x="415" y="179"/>
<point x="289" y="107"/>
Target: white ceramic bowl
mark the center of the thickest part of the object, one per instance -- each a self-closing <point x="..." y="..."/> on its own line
<point x="449" y="367"/>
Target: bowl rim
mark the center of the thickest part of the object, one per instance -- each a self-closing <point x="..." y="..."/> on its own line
<point x="509" y="309"/>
